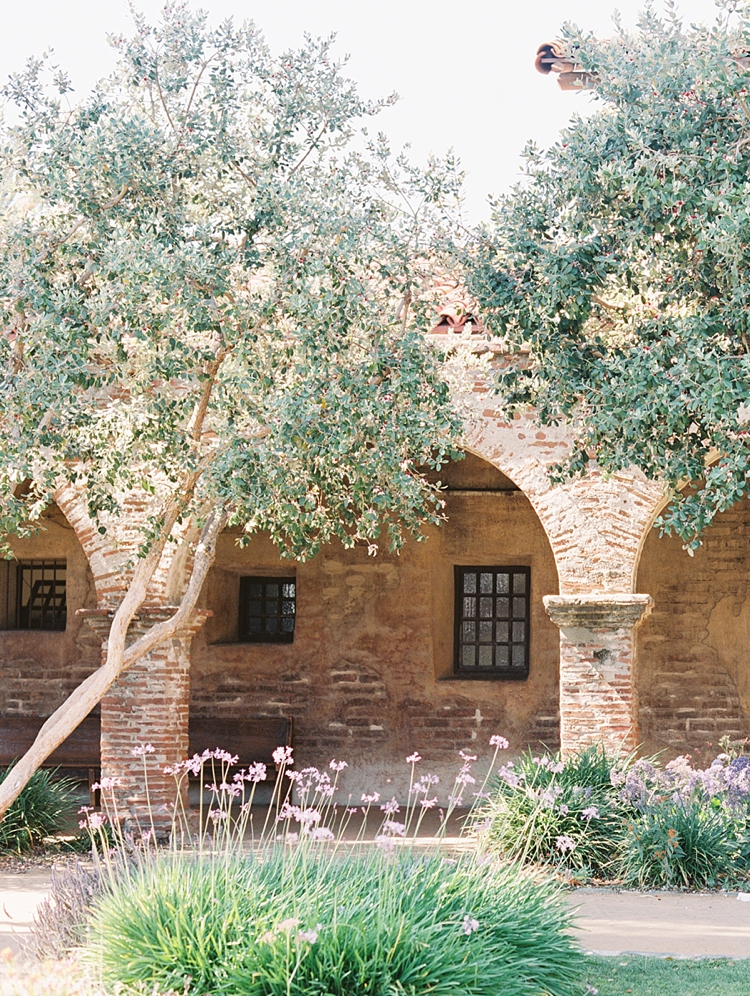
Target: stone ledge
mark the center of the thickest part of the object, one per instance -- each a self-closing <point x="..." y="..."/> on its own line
<point x="598" y="612"/>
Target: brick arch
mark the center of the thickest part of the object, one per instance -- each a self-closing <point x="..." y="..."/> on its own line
<point x="104" y="557"/>
<point x="595" y="524"/>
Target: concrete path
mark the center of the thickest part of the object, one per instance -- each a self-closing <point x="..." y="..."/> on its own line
<point x="20" y="894"/>
<point x="681" y="925"/>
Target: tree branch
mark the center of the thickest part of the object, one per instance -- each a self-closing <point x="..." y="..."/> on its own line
<point x="89" y="693"/>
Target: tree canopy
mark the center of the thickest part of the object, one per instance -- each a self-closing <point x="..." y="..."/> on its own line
<point x="622" y="260"/>
<point x="213" y="291"/>
<point x="208" y="285"/>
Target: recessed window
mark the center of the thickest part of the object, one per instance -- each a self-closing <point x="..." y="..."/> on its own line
<point x="33" y="595"/>
<point x="268" y="608"/>
<point x="492" y="622"/>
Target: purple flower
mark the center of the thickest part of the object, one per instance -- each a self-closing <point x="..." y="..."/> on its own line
<point x="469" y="925"/>
<point x="414" y="758"/>
<point x="321" y="833"/>
<point x="391" y="826"/>
<point x="368" y="799"/>
<point x="310" y="936"/>
<point x="389" y="808"/>
<point x="590" y="813"/>
<point x="337" y="766"/>
<point x="564" y="843"/>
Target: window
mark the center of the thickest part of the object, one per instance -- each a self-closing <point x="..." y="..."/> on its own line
<point x="492" y="622"/>
<point x="268" y="608"/>
<point x="33" y="595"/>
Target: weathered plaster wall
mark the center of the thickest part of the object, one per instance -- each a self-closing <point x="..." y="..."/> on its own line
<point x="693" y="653"/>
<point x="369" y="675"/>
<point x="38" y="670"/>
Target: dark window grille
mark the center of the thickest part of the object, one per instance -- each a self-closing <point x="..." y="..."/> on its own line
<point x="268" y="608"/>
<point x="33" y="595"/>
<point x="492" y="622"/>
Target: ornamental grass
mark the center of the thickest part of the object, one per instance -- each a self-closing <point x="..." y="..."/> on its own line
<point x="293" y="909"/>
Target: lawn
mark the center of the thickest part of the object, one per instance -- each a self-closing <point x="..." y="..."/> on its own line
<point x="644" y="976"/>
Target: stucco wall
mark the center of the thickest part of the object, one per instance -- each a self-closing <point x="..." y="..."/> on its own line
<point x="693" y="652"/>
<point x="38" y="670"/>
<point x="369" y="675"/>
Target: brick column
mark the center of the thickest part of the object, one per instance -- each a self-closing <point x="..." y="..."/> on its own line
<point x="597" y="669"/>
<point x="148" y="704"/>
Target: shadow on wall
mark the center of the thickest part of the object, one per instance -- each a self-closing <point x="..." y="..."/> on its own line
<point x="693" y="652"/>
<point x="369" y="675"/>
<point x="45" y="649"/>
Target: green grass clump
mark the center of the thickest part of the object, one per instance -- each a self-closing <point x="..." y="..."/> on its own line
<point x="298" y="921"/>
<point x="651" y="976"/>
<point x="39" y="811"/>
<point x="543" y="810"/>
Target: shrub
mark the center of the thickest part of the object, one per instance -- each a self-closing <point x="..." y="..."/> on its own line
<point x="302" y="920"/>
<point x="38" y="812"/>
<point x="679" y="843"/>
<point x="546" y="810"/>
<point x="61" y="920"/>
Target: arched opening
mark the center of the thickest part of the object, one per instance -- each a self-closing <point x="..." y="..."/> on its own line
<point x="45" y="650"/>
<point x="693" y="652"/>
<point x="384" y="660"/>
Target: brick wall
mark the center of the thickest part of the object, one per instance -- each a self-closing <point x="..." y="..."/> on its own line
<point x="694" y="652"/>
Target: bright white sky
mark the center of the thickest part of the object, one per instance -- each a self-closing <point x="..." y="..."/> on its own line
<point x="463" y="68"/>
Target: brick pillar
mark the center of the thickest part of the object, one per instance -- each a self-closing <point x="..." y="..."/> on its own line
<point x="598" y="701"/>
<point x="148" y="704"/>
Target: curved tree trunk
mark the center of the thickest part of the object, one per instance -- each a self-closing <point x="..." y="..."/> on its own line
<point x="89" y="693"/>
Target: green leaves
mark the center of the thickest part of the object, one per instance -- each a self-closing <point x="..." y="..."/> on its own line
<point x="202" y="286"/>
<point x="623" y="262"/>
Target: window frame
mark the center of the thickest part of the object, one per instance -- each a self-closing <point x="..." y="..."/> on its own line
<point x="493" y="673"/>
<point x="52" y="609"/>
<point x="243" y="632"/>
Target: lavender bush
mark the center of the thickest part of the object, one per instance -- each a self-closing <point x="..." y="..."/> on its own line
<point x="638" y="821"/>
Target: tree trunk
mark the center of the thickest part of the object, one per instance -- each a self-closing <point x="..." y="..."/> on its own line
<point x="89" y="693"/>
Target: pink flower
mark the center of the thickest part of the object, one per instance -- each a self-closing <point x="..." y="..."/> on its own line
<point x="469" y="925"/>
<point x="106" y="784"/>
<point x="590" y="813"/>
<point x="282" y="755"/>
<point x="93" y="821"/>
<point x="257" y="772"/>
<point x="429" y="803"/>
<point x="368" y="799"/>
<point x="414" y="758"/>
<point x="467" y="757"/>
<point x="321" y="833"/>
<point x="500" y="742"/>
<point x="389" y="808"/>
<point x="224" y="755"/>
<point x="337" y="766"/>
<point x="143" y="749"/>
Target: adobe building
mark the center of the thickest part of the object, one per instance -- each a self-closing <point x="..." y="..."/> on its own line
<point x="553" y="616"/>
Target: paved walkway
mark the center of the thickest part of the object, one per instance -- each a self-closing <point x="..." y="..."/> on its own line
<point x="609" y="922"/>
<point x="681" y="925"/>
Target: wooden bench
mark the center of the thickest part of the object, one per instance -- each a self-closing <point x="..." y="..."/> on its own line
<point x="253" y="739"/>
<point x="79" y="754"/>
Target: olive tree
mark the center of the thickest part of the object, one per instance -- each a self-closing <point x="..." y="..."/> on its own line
<point x="622" y="260"/>
<point x="213" y="292"/>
